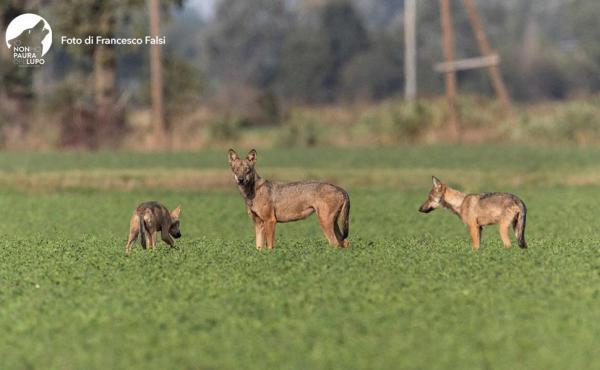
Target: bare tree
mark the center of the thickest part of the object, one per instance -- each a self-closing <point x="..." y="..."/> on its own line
<point x="156" y="83"/>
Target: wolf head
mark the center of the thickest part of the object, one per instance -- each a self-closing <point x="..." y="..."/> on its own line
<point x="174" y="229"/>
<point x="435" y="197"/>
<point x="243" y="169"/>
<point x="31" y="37"/>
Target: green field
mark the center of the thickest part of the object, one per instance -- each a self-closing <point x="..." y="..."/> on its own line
<point x="408" y="294"/>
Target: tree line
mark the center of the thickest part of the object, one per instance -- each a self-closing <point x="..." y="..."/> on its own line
<point x="273" y="52"/>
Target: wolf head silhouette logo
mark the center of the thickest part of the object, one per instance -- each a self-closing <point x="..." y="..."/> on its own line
<point x="29" y="38"/>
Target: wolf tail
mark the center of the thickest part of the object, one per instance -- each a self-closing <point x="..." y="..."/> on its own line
<point x="345" y="214"/>
<point x="520" y="225"/>
<point x="142" y="231"/>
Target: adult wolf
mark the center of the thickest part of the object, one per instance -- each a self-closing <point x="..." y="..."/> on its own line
<point x="478" y="210"/>
<point x="268" y="203"/>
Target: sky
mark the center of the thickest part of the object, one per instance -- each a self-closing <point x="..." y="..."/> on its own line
<point x="205" y="7"/>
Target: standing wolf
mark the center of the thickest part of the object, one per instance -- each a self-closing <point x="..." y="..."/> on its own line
<point x="149" y="218"/>
<point x="270" y="202"/>
<point x="478" y="210"/>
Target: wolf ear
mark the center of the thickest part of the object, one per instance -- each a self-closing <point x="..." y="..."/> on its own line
<point x="232" y="155"/>
<point x="175" y="213"/>
<point x="437" y="183"/>
<point x="251" y="156"/>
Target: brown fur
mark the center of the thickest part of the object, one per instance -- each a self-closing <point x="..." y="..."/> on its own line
<point x="478" y="210"/>
<point x="148" y="219"/>
<point x="268" y="203"/>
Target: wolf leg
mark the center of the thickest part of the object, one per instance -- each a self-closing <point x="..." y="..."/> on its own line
<point x="130" y="241"/>
<point x="166" y="237"/>
<point x="134" y="231"/>
<point x="269" y="229"/>
<point x="149" y="241"/>
<point x="152" y="237"/>
<point x="475" y="232"/>
<point x="260" y="234"/>
<point x="338" y="235"/>
<point x="503" y="230"/>
<point x="149" y="224"/>
<point x="259" y="228"/>
<point x="327" y="225"/>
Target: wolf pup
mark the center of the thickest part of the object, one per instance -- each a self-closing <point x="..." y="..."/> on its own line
<point x="270" y="202"/>
<point x="150" y="217"/>
<point x="478" y="210"/>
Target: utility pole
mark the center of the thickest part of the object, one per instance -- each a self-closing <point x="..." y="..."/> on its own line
<point x="486" y="50"/>
<point x="450" y="75"/>
<point x="156" y="84"/>
<point x="410" y="52"/>
<point x="489" y="59"/>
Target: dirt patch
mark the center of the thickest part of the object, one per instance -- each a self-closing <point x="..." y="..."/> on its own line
<point x="211" y="179"/>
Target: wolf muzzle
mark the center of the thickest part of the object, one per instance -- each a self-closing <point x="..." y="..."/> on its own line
<point x="425" y="210"/>
<point x="241" y="180"/>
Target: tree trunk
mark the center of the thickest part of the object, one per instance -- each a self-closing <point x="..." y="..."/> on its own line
<point x="156" y="84"/>
<point x="450" y="76"/>
<point x="410" y="50"/>
<point x="109" y="124"/>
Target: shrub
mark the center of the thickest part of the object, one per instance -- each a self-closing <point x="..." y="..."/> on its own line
<point x="301" y="130"/>
<point x="398" y="121"/>
<point x="226" y="128"/>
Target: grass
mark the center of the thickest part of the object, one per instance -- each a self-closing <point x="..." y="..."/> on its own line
<point x="350" y="124"/>
<point x="399" y="168"/>
<point x="409" y="293"/>
<point x="481" y="157"/>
